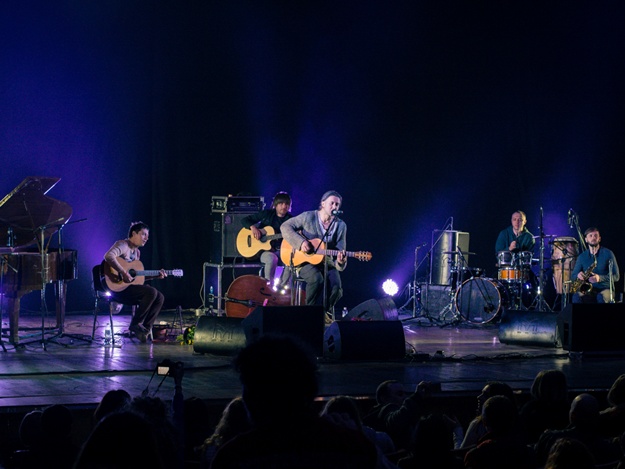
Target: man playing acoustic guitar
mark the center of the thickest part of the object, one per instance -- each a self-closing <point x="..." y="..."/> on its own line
<point x="120" y="257"/>
<point x="261" y="231"/>
<point x="305" y="233"/>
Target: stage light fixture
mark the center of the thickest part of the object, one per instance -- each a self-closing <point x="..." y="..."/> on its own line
<point x="390" y="287"/>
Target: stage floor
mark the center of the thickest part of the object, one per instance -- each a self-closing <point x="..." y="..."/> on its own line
<point x="74" y="370"/>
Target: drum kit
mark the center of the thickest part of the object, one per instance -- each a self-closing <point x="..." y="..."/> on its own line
<point x="480" y="300"/>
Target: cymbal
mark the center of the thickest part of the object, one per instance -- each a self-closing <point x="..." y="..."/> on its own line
<point x="545" y="236"/>
<point x="456" y="252"/>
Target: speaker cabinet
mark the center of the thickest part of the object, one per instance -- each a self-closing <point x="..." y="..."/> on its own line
<point x="383" y="309"/>
<point x="592" y="327"/>
<point x="224" y="230"/>
<point x="532" y="328"/>
<point x="434" y="298"/>
<point x="303" y="322"/>
<point x="218" y="335"/>
<point x="364" y="340"/>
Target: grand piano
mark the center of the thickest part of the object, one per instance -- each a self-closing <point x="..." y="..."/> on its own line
<point x="28" y="220"/>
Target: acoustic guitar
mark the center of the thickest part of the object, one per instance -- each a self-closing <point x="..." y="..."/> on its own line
<point x="115" y="282"/>
<point x="300" y="257"/>
<point x="248" y="246"/>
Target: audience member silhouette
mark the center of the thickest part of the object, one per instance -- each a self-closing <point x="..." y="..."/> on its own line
<point x="279" y="382"/>
<point x="583" y="417"/>
<point x="112" y="401"/>
<point x="397" y="413"/>
<point x="197" y="428"/>
<point x="234" y="421"/>
<point x="31" y="454"/>
<point x="158" y="413"/>
<point x="567" y="453"/>
<point x="58" y="446"/>
<point x="476" y="428"/>
<point x="502" y="446"/>
<point x="122" y="440"/>
<point x="343" y="410"/>
<point x="432" y="445"/>
<point x="612" y="419"/>
<point x="548" y="406"/>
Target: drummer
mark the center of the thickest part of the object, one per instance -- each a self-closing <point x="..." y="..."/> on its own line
<point x="516" y="237"/>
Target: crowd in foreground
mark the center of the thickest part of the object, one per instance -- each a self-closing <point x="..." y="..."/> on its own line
<point x="275" y="423"/>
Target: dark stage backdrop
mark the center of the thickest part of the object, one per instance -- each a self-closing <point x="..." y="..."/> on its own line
<point x="422" y="114"/>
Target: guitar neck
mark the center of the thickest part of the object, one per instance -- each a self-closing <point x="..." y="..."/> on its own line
<point x="150" y="273"/>
<point x="334" y="252"/>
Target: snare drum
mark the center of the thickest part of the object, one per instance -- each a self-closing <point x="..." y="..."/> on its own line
<point x="480" y="300"/>
<point x="504" y="258"/>
<point x="564" y="253"/>
<point x="509" y="274"/>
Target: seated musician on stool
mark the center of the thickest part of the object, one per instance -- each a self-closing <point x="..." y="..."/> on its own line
<point x="591" y="274"/>
<point x="149" y="299"/>
<point x="320" y="225"/>
<point x="516" y="237"/>
<point x="258" y="222"/>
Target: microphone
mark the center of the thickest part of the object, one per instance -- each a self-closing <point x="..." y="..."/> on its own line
<point x="570" y="220"/>
<point x="337" y="212"/>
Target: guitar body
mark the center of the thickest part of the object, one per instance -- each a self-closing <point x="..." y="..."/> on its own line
<point x="248" y="246"/>
<point x="114" y="281"/>
<point x="300" y="257"/>
<point x="292" y="256"/>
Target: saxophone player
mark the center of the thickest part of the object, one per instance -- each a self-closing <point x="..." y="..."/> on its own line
<point x="591" y="274"/>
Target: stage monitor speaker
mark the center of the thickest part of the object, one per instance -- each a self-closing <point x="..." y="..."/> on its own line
<point x="383" y="309"/>
<point x="532" y="328"/>
<point x="592" y="327"/>
<point x="218" y="335"/>
<point x="223" y="235"/>
<point x="303" y="322"/>
<point x="364" y="340"/>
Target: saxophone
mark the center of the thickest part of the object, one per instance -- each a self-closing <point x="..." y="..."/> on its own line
<point x="584" y="286"/>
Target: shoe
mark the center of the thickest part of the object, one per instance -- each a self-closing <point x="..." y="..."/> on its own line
<point x="140" y="331"/>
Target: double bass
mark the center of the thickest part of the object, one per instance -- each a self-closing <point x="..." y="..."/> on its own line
<point x="248" y="292"/>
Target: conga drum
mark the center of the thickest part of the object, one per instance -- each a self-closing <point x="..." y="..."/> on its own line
<point x="564" y="252"/>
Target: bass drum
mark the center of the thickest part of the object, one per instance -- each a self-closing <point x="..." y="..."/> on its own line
<point x="480" y="300"/>
<point x="248" y="292"/>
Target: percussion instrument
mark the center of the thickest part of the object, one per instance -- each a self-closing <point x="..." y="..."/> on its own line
<point x="480" y="300"/>
<point x="564" y="253"/>
<point x="465" y="274"/>
<point x="504" y="258"/>
<point x="523" y="259"/>
<point x="509" y="274"/>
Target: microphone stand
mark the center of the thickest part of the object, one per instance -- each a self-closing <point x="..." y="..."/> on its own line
<point x="611" y="279"/>
<point x="540" y="300"/>
<point x="324" y="238"/>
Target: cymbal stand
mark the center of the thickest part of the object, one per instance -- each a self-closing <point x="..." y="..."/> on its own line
<point x="539" y="302"/>
<point x="452" y="306"/>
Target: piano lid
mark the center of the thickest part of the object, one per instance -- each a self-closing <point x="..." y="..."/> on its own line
<point x="27" y="210"/>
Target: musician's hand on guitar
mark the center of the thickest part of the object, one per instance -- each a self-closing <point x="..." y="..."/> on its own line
<point x="257" y="233"/>
<point x="341" y="257"/>
<point x="162" y="273"/>
<point x="306" y="247"/>
<point x="127" y="278"/>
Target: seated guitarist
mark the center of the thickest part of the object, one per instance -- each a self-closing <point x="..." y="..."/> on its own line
<point x="274" y="217"/>
<point x="149" y="299"/>
<point x="321" y="224"/>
